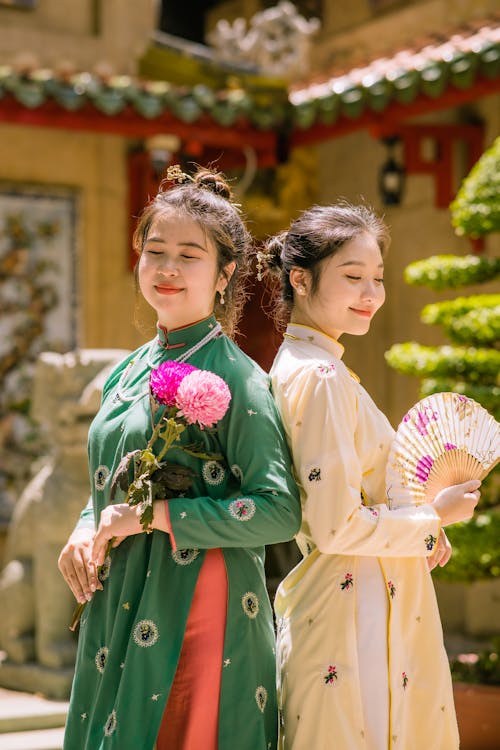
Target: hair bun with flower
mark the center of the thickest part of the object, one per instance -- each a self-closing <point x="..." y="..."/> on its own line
<point x="203" y="178"/>
<point x="269" y="258"/>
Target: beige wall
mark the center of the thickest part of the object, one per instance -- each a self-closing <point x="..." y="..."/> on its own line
<point x="71" y="30"/>
<point x="95" y="165"/>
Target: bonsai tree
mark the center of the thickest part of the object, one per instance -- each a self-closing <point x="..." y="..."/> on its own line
<point x="470" y="363"/>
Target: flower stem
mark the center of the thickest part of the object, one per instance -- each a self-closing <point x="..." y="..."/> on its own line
<point x="78" y="611"/>
<point x="77" y="615"/>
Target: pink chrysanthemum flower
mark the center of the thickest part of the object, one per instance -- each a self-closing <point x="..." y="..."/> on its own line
<point x="203" y="398"/>
<point x="166" y="379"/>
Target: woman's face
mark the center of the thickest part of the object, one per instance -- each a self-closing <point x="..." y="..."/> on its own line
<point x="177" y="270"/>
<point x="350" y="290"/>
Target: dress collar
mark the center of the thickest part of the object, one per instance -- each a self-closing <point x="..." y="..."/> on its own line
<point x="310" y="335"/>
<point x="180" y="339"/>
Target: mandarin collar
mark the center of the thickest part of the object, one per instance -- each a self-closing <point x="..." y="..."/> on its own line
<point x="311" y="335"/>
<point x="180" y="339"/>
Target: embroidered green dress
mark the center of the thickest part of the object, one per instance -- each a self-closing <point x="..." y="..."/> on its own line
<point x="131" y="633"/>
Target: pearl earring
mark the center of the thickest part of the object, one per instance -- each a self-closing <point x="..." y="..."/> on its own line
<point x="222" y="299"/>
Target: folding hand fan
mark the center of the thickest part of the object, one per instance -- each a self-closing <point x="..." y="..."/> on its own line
<point x="444" y="439"/>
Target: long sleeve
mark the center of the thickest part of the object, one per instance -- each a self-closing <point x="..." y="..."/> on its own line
<point x="267" y="507"/>
<point x="86" y="520"/>
<point x="329" y="433"/>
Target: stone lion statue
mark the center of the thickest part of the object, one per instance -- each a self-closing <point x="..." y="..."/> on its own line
<point x="35" y="602"/>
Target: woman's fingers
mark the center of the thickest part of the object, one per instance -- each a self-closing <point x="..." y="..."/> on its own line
<point x="457" y="503"/>
<point x="441" y="554"/>
<point x="76" y="566"/>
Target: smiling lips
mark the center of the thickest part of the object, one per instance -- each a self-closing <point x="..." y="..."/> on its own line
<point x="363" y="313"/>
<point x="167" y="289"/>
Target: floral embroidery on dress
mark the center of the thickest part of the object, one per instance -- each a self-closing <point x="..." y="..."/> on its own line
<point x="105" y="569"/>
<point x="146" y="633"/>
<point x="392" y="589"/>
<point x="314" y="474"/>
<point x="373" y="511"/>
<point x="237" y="472"/>
<point x="242" y="509"/>
<point x="261" y="697"/>
<point x="185" y="556"/>
<point x="101" y="657"/>
<point x="405" y="680"/>
<point x="347" y="583"/>
<point x="331" y="675"/>
<point x="213" y="472"/>
<point x="430" y="541"/>
<point x="326" y="371"/>
<point x="110" y="725"/>
<point x="250" y="604"/>
<point x="101" y="475"/>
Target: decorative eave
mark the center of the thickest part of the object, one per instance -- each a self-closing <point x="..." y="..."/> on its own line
<point x="391" y="89"/>
<point x="378" y="96"/>
<point x="134" y="108"/>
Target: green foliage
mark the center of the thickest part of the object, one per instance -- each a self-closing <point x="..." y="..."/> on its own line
<point x="451" y="271"/>
<point x="476" y="209"/>
<point x="471" y="320"/>
<point x="476" y="552"/>
<point x="481" y="668"/>
<point x="486" y="395"/>
<point x="476" y="365"/>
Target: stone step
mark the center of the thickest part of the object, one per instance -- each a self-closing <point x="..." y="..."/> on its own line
<point x="42" y="739"/>
<point x="25" y="712"/>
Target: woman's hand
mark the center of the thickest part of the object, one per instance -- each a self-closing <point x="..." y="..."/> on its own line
<point x="76" y="566"/>
<point x="116" y="524"/>
<point x="457" y="503"/>
<point x="442" y="552"/>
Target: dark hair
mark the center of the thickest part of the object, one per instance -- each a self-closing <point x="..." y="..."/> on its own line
<point x="207" y="199"/>
<point x="315" y="235"/>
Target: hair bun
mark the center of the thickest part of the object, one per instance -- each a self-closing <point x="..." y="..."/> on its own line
<point x="273" y="250"/>
<point x="214" y="182"/>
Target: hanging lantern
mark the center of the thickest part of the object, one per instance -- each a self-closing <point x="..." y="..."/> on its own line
<point x="391" y="176"/>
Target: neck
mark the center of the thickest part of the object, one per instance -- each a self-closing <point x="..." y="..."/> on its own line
<point x="170" y="329"/>
<point x="301" y="318"/>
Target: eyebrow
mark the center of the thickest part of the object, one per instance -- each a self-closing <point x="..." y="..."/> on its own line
<point x="161" y="241"/>
<point x="356" y="263"/>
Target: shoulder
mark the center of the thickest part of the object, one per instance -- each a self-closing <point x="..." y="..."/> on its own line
<point x="117" y="371"/>
<point x="237" y="367"/>
<point x="300" y="365"/>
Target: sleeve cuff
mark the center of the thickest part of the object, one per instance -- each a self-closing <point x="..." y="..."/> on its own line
<point x="169" y="526"/>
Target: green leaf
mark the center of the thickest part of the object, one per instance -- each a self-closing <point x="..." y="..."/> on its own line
<point x="451" y="271"/>
<point x="476" y="209"/>
<point x="121" y="476"/>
